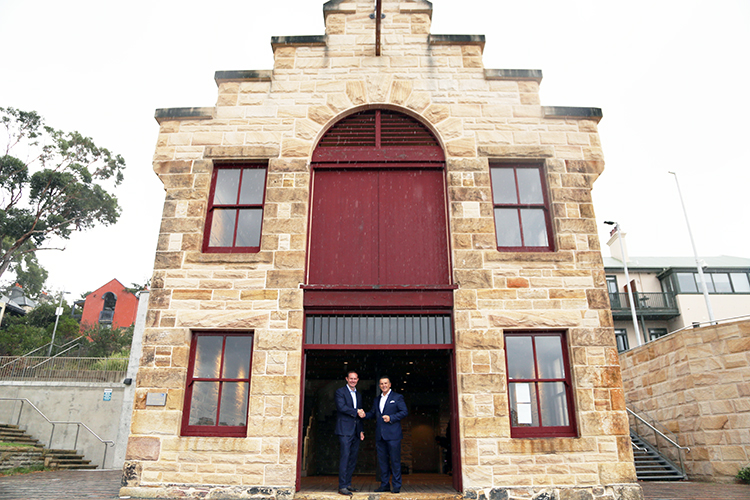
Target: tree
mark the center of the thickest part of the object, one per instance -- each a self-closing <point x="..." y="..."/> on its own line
<point x="29" y="273"/>
<point x="21" y="334"/>
<point x="58" y="189"/>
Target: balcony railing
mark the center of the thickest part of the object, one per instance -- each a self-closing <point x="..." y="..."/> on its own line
<point x="647" y="304"/>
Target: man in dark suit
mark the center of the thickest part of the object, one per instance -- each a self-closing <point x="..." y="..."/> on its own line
<point x="349" y="429"/>
<point x="388" y="409"/>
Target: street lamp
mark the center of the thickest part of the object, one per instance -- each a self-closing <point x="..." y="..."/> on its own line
<point x="695" y="254"/>
<point x="58" y="313"/>
<point x="627" y="279"/>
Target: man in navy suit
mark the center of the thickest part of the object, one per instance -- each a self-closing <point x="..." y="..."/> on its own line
<point x="349" y="429"/>
<point x="388" y="409"/>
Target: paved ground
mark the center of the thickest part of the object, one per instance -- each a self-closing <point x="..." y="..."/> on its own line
<point x="105" y="485"/>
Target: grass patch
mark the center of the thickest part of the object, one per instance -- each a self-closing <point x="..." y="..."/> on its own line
<point x="24" y="470"/>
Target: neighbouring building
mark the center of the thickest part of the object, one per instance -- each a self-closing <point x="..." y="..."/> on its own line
<point x="667" y="292"/>
<point x="379" y="201"/>
<point x="110" y="305"/>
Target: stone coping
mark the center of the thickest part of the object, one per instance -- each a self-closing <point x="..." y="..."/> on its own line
<point x="513" y="74"/>
<point x="348" y="7"/>
<point x="167" y="114"/>
<point x="310" y="40"/>
<point x="243" y="75"/>
<point x="457" y="40"/>
<point x="572" y="112"/>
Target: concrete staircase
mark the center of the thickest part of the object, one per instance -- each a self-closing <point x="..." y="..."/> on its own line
<point x="650" y="465"/>
<point x="54" y="459"/>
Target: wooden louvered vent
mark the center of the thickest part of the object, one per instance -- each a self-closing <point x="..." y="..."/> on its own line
<point x="378" y="135"/>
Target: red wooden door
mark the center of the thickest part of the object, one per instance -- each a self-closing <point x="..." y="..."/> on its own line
<point x="378" y="227"/>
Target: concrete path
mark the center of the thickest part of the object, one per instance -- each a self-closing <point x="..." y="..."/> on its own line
<point x="105" y="485"/>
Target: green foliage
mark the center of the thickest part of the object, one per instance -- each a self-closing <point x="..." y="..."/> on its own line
<point x="57" y="190"/>
<point x="105" y="342"/>
<point x="744" y="475"/>
<point x="116" y="362"/>
<point x="21" y="334"/>
<point x="24" y="470"/>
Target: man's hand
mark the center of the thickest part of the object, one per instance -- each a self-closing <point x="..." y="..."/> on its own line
<point x="386" y="418"/>
<point x="361" y="435"/>
<point x="361" y="414"/>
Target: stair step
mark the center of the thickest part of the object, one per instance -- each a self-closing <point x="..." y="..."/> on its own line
<point x="54" y="458"/>
<point x="76" y="466"/>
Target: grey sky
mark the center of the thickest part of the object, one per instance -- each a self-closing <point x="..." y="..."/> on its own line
<point x="671" y="78"/>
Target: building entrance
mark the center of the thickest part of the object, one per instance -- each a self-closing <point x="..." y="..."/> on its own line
<point x="422" y="376"/>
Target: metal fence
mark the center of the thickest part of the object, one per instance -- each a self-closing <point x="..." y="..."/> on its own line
<point x="61" y="369"/>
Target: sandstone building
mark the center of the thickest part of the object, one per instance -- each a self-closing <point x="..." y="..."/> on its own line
<point x="379" y="201"/>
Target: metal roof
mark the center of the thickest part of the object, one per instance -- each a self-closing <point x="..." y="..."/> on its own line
<point x="661" y="263"/>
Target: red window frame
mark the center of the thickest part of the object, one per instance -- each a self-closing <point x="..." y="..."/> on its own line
<point x="237" y="206"/>
<point x="519" y="206"/>
<point x="214" y="429"/>
<point x="540" y="430"/>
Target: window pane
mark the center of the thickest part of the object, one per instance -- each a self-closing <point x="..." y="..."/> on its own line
<point x="523" y="407"/>
<point x="534" y="228"/>
<point x="708" y="281"/>
<point x="227" y="181"/>
<point x="503" y="186"/>
<point x="687" y="282"/>
<point x="233" y="403"/>
<point x="248" y="228"/>
<point x="207" y="357"/>
<point x="621" y="336"/>
<point x="222" y="228"/>
<point x="507" y="227"/>
<point x="237" y="357"/>
<point x="204" y="403"/>
<point x="721" y="282"/>
<point x="740" y="283"/>
<point x="520" y="357"/>
<point x="549" y="357"/>
<point x="529" y="185"/>
<point x="253" y="182"/>
<point x="553" y="403"/>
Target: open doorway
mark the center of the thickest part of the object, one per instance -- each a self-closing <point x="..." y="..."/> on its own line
<point x="422" y="376"/>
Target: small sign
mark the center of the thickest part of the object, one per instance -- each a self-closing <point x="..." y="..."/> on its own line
<point x="107" y="394"/>
<point x="156" y="399"/>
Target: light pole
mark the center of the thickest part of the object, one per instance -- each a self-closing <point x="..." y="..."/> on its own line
<point x="627" y="278"/>
<point x="695" y="254"/>
<point x="58" y="313"/>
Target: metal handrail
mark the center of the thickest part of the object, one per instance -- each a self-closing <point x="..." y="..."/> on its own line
<point x="669" y="440"/>
<point x="53" y="423"/>
<point x="714" y="322"/>
<point x="28" y="354"/>
<point x="55" y="356"/>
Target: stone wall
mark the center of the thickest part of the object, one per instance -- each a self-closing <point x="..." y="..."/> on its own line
<point x="477" y="115"/>
<point x="696" y="382"/>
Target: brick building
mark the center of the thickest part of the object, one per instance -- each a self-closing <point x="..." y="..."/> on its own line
<point x="379" y="201"/>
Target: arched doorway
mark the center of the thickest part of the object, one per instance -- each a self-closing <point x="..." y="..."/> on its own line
<point x="379" y="291"/>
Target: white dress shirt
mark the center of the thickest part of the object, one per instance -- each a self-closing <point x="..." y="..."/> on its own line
<point x="383" y="399"/>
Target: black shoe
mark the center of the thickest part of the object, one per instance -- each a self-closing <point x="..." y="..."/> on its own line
<point x="396" y="490"/>
<point x="345" y="491"/>
<point x="382" y="489"/>
<point x="350" y="488"/>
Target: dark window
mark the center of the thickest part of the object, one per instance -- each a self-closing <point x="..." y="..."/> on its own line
<point x="235" y="209"/>
<point x="621" y="336"/>
<point x="218" y="385"/>
<point x="522" y="219"/>
<point x="539" y="385"/>
<point x="107" y="313"/>
<point x="655" y="333"/>
<point x="614" y="296"/>
<point x="716" y="282"/>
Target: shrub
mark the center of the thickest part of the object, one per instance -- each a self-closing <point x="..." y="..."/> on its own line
<point x="744" y="475"/>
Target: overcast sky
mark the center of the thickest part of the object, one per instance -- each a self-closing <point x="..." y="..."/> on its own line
<point x="671" y="78"/>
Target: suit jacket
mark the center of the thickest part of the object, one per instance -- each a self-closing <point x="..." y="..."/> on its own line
<point x="395" y="407"/>
<point x="347" y="421"/>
